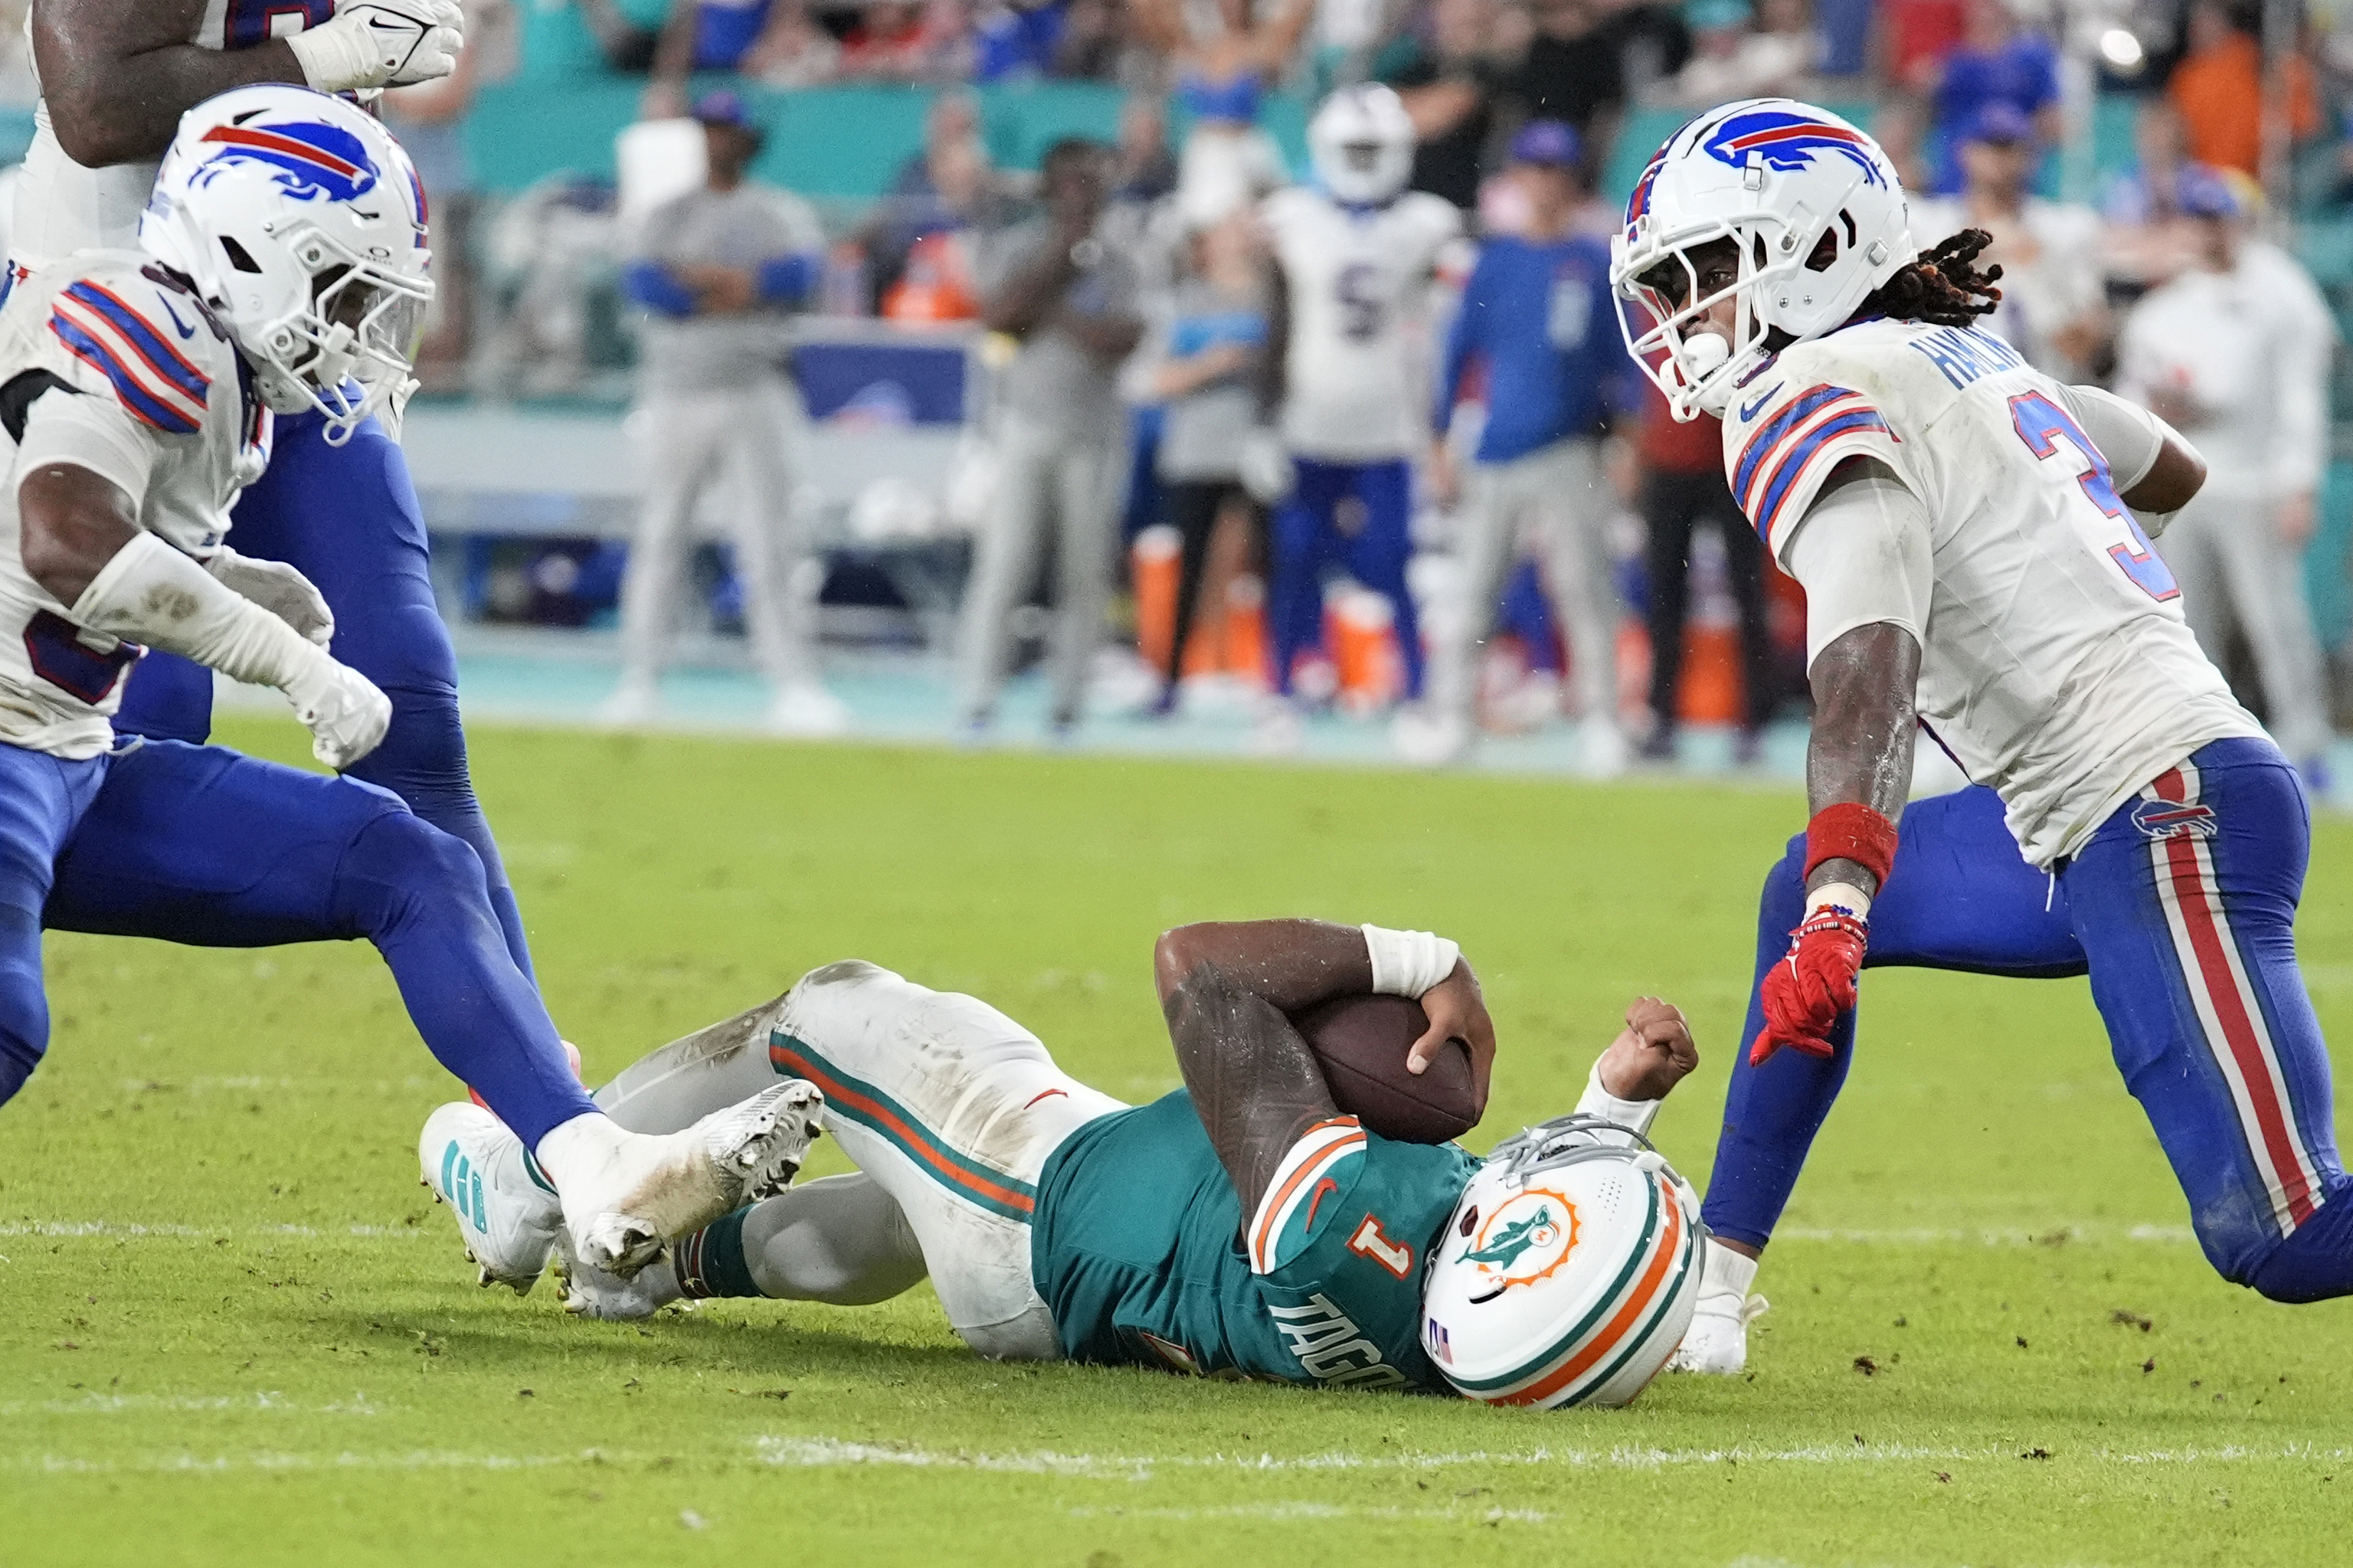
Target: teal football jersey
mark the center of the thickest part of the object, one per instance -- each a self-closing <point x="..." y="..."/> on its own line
<point x="1138" y="1248"/>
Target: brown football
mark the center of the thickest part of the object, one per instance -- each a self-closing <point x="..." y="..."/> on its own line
<point x="1361" y="1041"/>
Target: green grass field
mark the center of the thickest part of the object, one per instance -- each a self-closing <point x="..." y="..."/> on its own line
<point x="236" y="1331"/>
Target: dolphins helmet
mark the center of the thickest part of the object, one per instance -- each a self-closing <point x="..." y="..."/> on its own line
<point x="1569" y="1271"/>
<point x="1361" y="141"/>
<point x="1816" y="215"/>
<point x="301" y="225"/>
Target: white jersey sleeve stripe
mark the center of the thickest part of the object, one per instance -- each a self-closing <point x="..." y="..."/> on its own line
<point x="1319" y="1152"/>
<point x="172" y="403"/>
<point x="1784" y="478"/>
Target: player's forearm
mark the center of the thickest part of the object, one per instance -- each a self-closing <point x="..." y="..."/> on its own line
<point x="1114" y="337"/>
<point x="1253" y="1082"/>
<point x="1027" y="297"/>
<point x="1864" y="730"/>
<point x="1291" y="964"/>
<point x="117" y="74"/>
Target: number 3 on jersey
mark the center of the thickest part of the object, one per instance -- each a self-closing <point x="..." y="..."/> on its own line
<point x="2039" y="423"/>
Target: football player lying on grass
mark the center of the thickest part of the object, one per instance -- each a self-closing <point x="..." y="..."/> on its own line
<point x="1244" y="1227"/>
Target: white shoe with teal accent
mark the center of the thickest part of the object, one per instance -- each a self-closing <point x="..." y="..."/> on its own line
<point x="506" y="1210"/>
<point x="639" y="1190"/>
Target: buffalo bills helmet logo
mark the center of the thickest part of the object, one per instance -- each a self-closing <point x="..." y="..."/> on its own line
<point x="1638" y="206"/>
<point x="313" y="160"/>
<point x="1788" y="143"/>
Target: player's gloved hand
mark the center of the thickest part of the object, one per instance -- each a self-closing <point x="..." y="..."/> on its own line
<point x="1457" y="1010"/>
<point x="1813" y="983"/>
<point x="344" y="713"/>
<point x="381" y="43"/>
<point x="277" y="588"/>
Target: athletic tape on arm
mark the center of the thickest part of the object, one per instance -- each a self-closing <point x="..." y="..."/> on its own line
<point x="151" y="593"/>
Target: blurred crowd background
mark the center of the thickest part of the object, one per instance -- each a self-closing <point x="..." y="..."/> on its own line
<point x="742" y="344"/>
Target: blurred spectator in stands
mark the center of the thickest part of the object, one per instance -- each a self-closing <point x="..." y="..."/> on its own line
<point x="1914" y="38"/>
<point x="1736" y="54"/>
<point x="1205" y="378"/>
<point x="932" y="279"/>
<point x="1536" y="315"/>
<point x="2234" y="354"/>
<point x="792" y="50"/>
<point x="1062" y="434"/>
<point x="890" y="42"/>
<point x="1844" y="30"/>
<point x="1574" y="70"/>
<point x="1901" y="128"/>
<point x="2144" y="244"/>
<point x="699" y="36"/>
<point x="2054" y="302"/>
<point x="719" y="271"/>
<point x="948" y="187"/>
<point x="1653" y="44"/>
<point x="1999" y="61"/>
<point x="1449" y="80"/>
<point x="626" y="40"/>
<point x="2218" y="86"/>
<point x="430" y="120"/>
<point x="1684" y="488"/>
<point x="1017" y="39"/>
<point x="1221" y="72"/>
<point x="1094" y="44"/>
<point x="1142" y="169"/>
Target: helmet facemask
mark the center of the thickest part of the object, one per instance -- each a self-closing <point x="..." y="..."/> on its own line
<point x="350" y="349"/>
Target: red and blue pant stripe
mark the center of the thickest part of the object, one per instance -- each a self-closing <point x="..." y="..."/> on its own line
<point x="2182" y="907"/>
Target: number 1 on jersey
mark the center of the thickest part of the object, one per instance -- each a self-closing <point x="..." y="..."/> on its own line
<point x="1371" y="1241"/>
<point x="2039" y="423"/>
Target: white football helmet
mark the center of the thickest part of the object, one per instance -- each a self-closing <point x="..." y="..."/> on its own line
<point x="1814" y="209"/>
<point x="1569" y="1271"/>
<point x="301" y="225"/>
<point x="1361" y="141"/>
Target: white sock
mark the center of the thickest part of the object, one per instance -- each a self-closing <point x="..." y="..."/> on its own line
<point x="1726" y="1272"/>
<point x="579" y="1150"/>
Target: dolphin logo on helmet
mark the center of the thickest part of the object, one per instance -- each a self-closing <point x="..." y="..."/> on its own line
<point x="314" y="161"/>
<point x="1788" y="142"/>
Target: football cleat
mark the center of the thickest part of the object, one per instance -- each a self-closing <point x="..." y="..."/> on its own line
<point x="507" y="1210"/>
<point x="592" y="1292"/>
<point x="652" y="1188"/>
<point x="1717" y="1343"/>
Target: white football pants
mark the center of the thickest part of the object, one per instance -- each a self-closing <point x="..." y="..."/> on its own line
<point x="949" y="1110"/>
<point x="747" y="438"/>
<point x="2234" y="569"/>
<point x="1555" y="495"/>
<point x="1045" y="479"/>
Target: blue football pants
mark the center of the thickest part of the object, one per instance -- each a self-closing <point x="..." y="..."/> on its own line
<point x="2182" y="907"/>
<point x="204" y="846"/>
<point x="347" y="518"/>
<point x="1308" y="540"/>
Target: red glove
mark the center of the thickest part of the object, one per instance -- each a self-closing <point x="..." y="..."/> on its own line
<point x="1813" y="983"/>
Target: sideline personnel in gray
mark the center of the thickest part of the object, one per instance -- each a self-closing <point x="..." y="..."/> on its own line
<point x="1062" y="431"/>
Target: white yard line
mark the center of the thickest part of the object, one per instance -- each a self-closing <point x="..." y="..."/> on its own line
<point x="166" y="1230"/>
<point x="826" y="1452"/>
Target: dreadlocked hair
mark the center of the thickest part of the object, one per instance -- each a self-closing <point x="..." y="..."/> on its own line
<point x="1944" y="288"/>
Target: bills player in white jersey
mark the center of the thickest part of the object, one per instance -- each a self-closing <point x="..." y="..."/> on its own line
<point x="336" y="502"/>
<point x="1356" y="252"/>
<point x="1973" y="538"/>
<point x="282" y="257"/>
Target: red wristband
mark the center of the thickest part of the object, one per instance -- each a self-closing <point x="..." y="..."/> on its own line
<point x="1852" y="831"/>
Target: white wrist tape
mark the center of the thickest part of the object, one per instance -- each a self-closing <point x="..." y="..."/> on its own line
<point x="1407" y="963"/>
<point x="151" y="593"/>
<point x="1842" y="895"/>
<point x="1599" y="1101"/>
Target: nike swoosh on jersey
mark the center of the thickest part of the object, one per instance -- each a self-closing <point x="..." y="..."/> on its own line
<point x="186" y="330"/>
<point x="1748" y="411"/>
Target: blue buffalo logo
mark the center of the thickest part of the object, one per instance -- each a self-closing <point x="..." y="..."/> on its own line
<point x="1788" y="142"/>
<point x="312" y="161"/>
